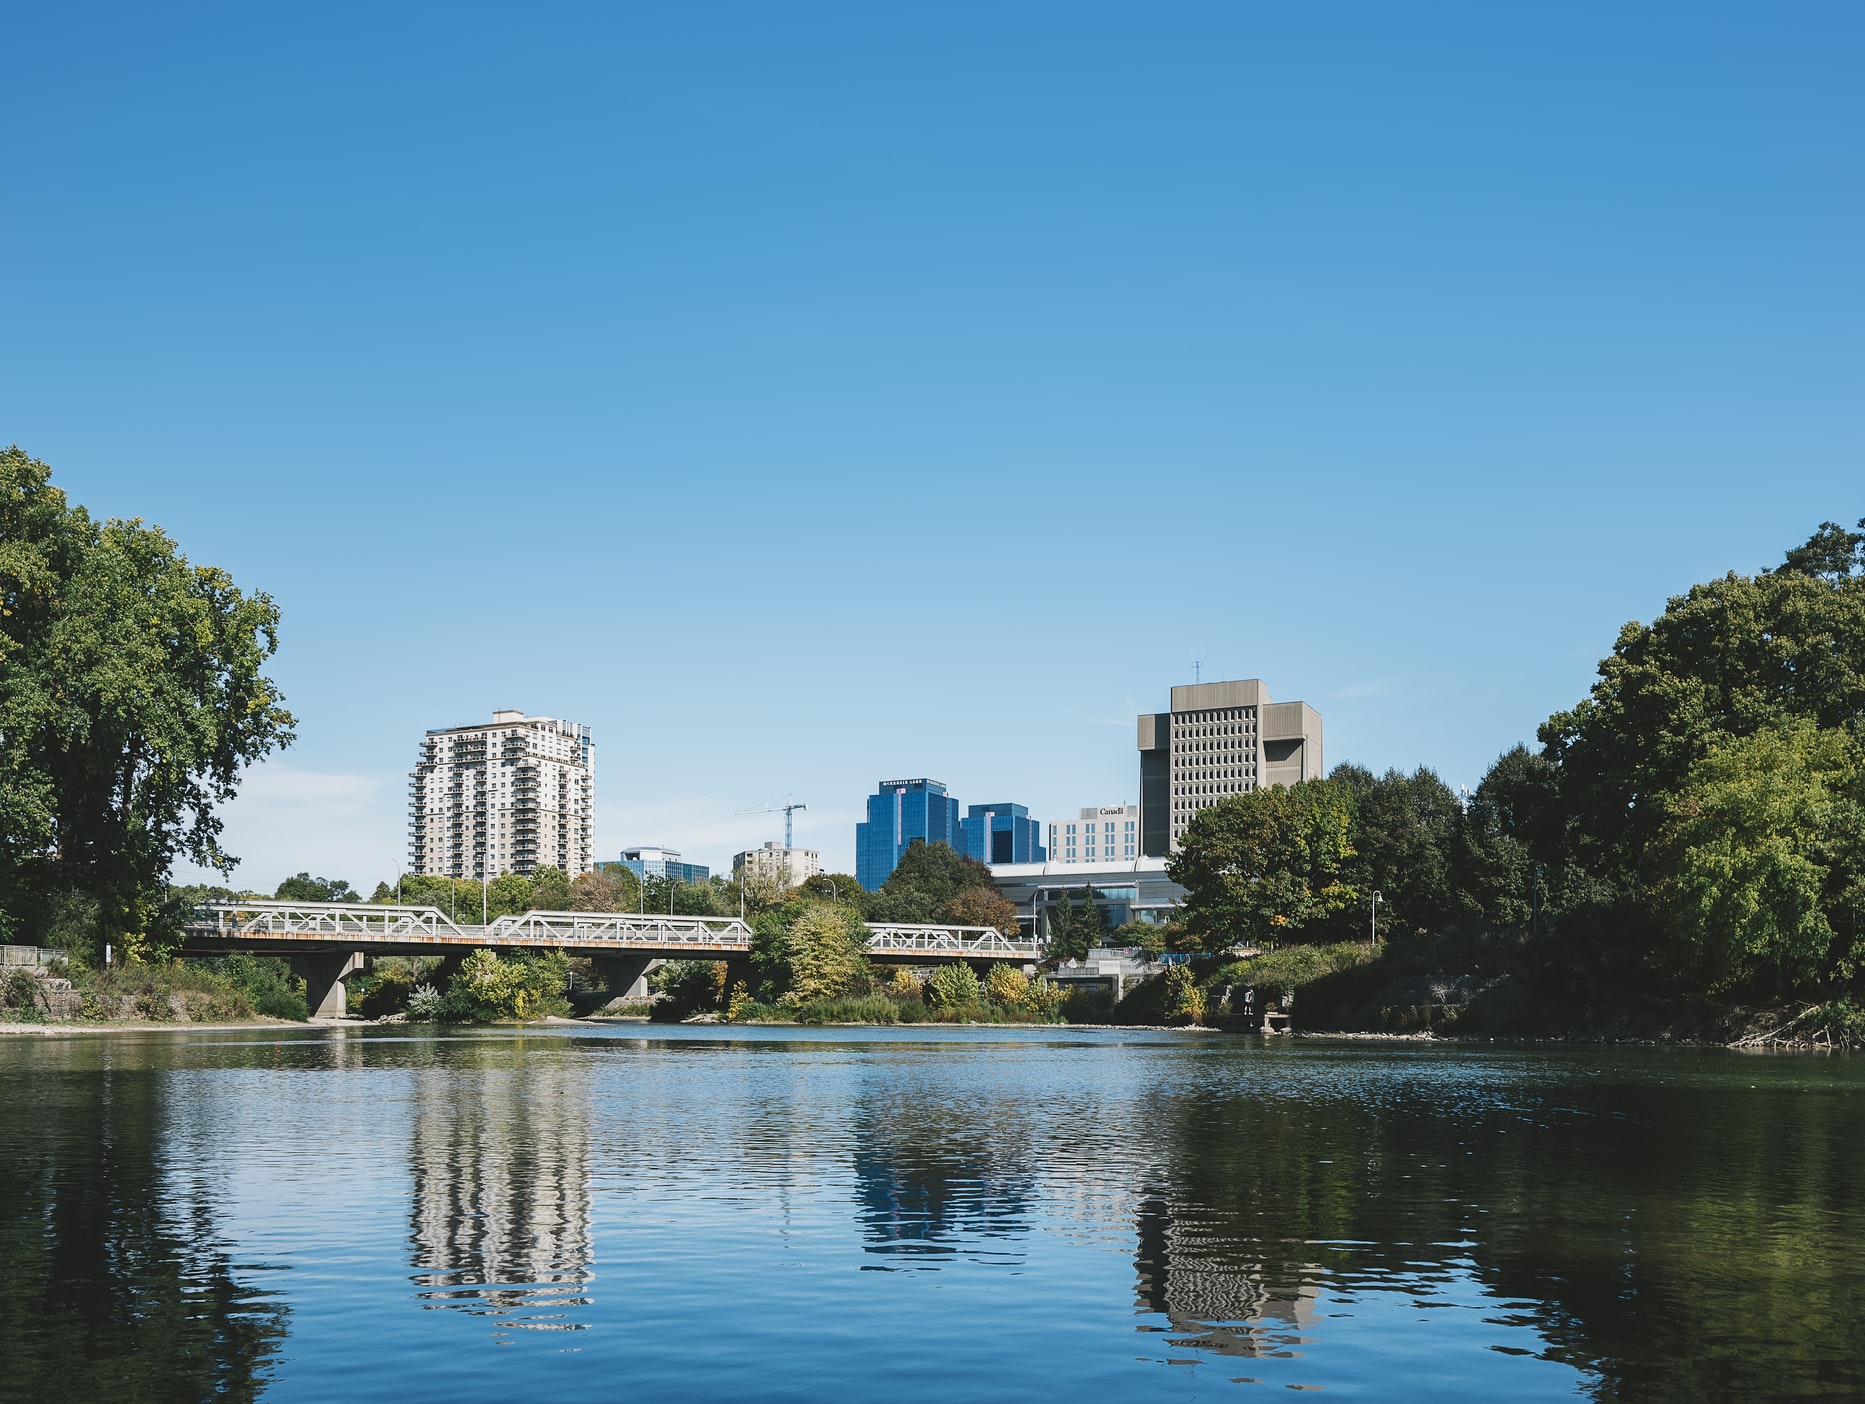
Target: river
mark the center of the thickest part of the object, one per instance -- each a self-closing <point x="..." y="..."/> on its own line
<point x="701" y="1213"/>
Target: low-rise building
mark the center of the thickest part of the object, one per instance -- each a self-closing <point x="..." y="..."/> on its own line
<point x="648" y="862"/>
<point x="775" y="863"/>
<point x="1126" y="890"/>
<point x="1097" y="834"/>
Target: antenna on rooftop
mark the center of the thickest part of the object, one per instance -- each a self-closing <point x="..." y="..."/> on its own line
<point x="771" y="807"/>
<point x="1197" y="667"/>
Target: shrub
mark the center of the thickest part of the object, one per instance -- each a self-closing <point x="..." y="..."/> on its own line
<point x="905" y="983"/>
<point x="850" y="1009"/>
<point x="488" y="988"/>
<point x="1276" y="973"/>
<point x="952" y="986"/>
<point x="1008" y="986"/>
<point x="683" y="988"/>
<point x="18" y="990"/>
<point x="426" y="1005"/>
<point x="268" y="985"/>
<point x="1181" y="1001"/>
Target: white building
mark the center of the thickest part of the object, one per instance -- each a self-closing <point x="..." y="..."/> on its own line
<point x="1110" y="833"/>
<point x="510" y="797"/>
<point x="773" y="861"/>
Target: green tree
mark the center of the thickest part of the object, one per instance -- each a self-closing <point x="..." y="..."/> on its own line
<point x="609" y="889"/>
<point x="1262" y="867"/>
<point x="1404" y="835"/>
<point x="825" y="953"/>
<point x="1724" y="661"/>
<point x="835" y="887"/>
<point x="927" y="876"/>
<point x="550" y="889"/>
<point x="1074" y="930"/>
<point x="1761" y="864"/>
<point x="131" y="698"/>
<point x="302" y="887"/>
<point x="981" y="906"/>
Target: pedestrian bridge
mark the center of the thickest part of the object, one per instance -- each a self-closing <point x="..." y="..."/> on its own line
<point x="327" y="941"/>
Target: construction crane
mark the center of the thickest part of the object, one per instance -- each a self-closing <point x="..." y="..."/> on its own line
<point x="771" y="807"/>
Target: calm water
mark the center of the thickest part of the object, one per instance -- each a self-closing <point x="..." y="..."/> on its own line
<point x="705" y="1214"/>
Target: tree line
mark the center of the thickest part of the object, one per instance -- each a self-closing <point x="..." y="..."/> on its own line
<point x="1694" y="827"/>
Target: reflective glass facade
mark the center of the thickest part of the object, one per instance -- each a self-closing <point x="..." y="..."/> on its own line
<point x="1001" y="833"/>
<point x="898" y="813"/>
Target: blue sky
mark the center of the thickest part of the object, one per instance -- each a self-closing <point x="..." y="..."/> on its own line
<point x="807" y="394"/>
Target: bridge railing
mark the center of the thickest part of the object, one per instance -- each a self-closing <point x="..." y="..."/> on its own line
<point x="369" y="922"/>
<point x="233" y="919"/>
<point x="898" y="938"/>
<point x="631" y="927"/>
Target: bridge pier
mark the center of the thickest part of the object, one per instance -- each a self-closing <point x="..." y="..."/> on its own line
<point x="323" y="974"/>
<point x="626" y="975"/>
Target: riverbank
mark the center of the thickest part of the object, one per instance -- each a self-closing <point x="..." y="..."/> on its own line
<point x="55" y="1029"/>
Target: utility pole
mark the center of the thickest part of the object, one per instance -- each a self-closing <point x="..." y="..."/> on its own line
<point x="1376" y="895"/>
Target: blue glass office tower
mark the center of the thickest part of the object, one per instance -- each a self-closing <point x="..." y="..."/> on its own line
<point x="1001" y="833"/>
<point x="899" y="812"/>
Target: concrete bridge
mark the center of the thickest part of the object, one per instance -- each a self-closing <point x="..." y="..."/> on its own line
<point x="327" y="941"/>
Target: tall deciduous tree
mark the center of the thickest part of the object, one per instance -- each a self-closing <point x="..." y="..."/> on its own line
<point x="1761" y="864"/>
<point x="131" y="698"/>
<point x="1263" y="866"/>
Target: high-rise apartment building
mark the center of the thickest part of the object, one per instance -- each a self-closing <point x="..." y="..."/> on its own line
<point x="1100" y="834"/>
<point x="775" y="863"/>
<point x="510" y="797"/>
<point x="1001" y="833"/>
<point x="1219" y="739"/>
<point x="899" y="812"/>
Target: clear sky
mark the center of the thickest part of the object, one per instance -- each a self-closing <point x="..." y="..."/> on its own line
<point x="804" y="394"/>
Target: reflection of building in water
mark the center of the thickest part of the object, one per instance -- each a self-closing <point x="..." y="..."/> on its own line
<point x="1215" y="1299"/>
<point x="937" y="1196"/>
<point x="501" y="1216"/>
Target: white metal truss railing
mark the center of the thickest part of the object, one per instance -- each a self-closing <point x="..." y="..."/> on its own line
<point x="984" y="942"/>
<point x="630" y="928"/>
<point x="367" y="923"/>
<point x="222" y="920"/>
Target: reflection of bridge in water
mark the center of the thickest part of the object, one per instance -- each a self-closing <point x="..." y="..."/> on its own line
<point x="327" y="941"/>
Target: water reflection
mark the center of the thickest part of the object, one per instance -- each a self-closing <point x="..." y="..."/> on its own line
<point x="1213" y="1299"/>
<point x="933" y="1179"/>
<point x="1156" y="1212"/>
<point x="500" y="1222"/>
<point x="115" y="1281"/>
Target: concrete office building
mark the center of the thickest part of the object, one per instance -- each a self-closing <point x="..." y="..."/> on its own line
<point x="1001" y="833"/>
<point x="509" y="797"/>
<point x="899" y="812"/>
<point x="1110" y="832"/>
<point x="651" y="862"/>
<point x="775" y="863"/>
<point x="1219" y="739"/>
